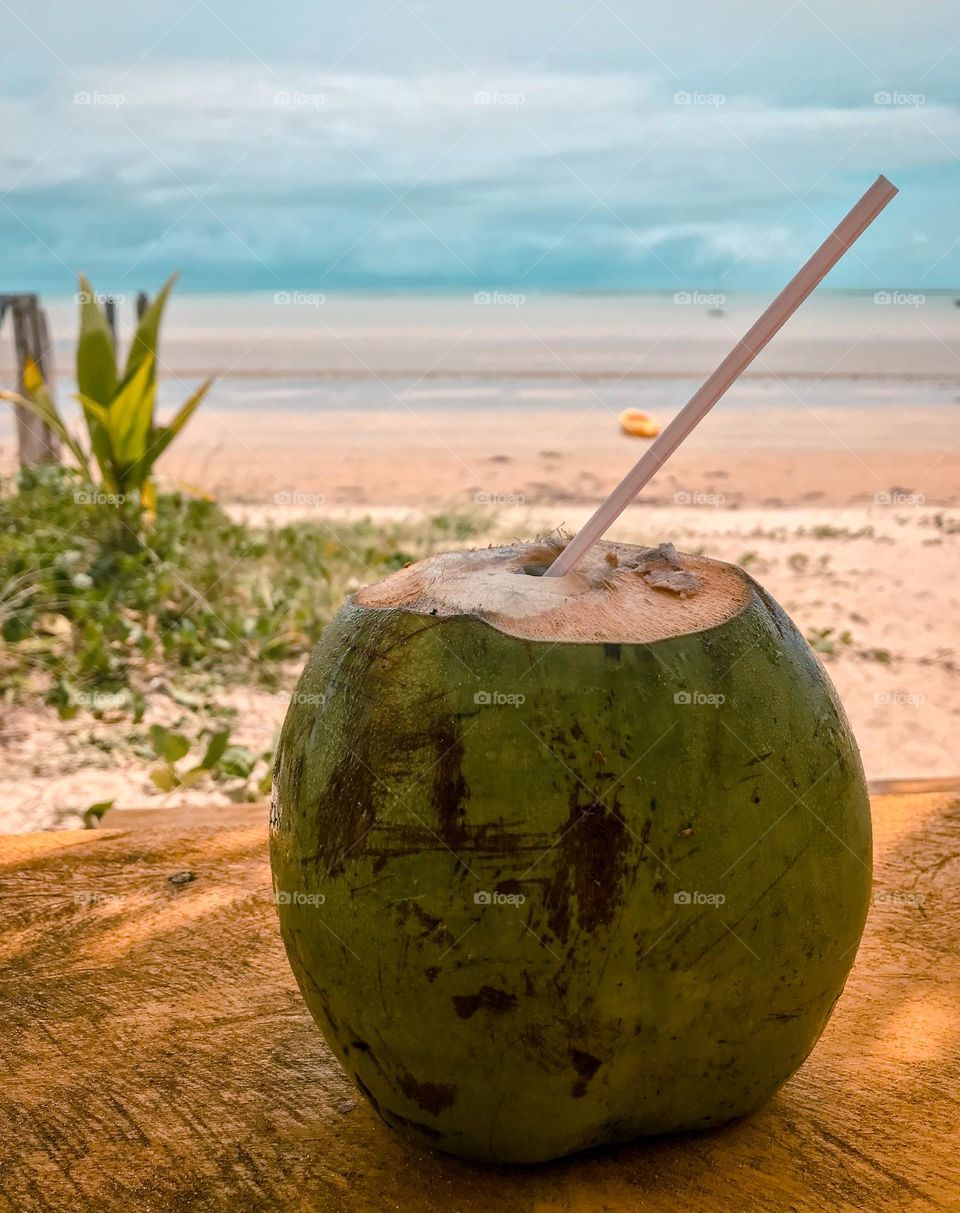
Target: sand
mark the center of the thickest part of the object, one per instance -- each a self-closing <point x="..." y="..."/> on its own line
<point x="441" y="458"/>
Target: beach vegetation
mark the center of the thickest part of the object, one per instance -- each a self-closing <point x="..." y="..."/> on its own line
<point x="201" y="601"/>
<point x="118" y="405"/>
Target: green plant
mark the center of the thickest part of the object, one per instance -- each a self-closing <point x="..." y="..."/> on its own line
<point x="124" y="438"/>
<point x="220" y="761"/>
<point x="202" y="601"/>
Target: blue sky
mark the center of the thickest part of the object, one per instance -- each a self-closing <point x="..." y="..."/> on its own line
<point x="468" y="144"/>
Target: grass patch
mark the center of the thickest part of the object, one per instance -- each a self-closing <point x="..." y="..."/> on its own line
<point x="88" y="621"/>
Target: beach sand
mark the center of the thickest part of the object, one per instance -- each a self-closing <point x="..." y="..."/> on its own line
<point x="440" y="458"/>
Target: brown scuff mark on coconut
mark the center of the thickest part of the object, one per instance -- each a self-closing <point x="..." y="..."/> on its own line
<point x="433" y="1097"/>
<point x="591" y="868"/>
<point x="487" y="998"/>
<point x="586" y="1065"/>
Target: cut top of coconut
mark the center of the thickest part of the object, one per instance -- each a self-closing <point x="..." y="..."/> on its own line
<point x="619" y="593"/>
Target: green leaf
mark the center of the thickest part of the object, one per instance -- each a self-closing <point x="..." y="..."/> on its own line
<point x="96" y="360"/>
<point x="194" y="775"/>
<point x="164" y="778"/>
<point x="129" y="424"/>
<point x="147" y="335"/>
<point x="163" y="435"/>
<point x="96" y="416"/>
<point x="215" y="749"/>
<point x="93" y="814"/>
<point x="238" y="761"/>
<point x="167" y="744"/>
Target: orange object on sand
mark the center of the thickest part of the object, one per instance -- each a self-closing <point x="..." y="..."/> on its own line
<point x="640" y="425"/>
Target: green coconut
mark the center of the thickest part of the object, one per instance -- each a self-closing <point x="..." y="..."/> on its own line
<point x="566" y="861"/>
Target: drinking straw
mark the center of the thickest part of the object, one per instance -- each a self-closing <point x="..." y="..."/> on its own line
<point x="852" y="226"/>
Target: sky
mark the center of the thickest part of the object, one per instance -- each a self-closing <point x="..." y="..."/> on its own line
<point x="450" y="145"/>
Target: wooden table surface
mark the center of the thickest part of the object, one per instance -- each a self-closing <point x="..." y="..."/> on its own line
<point x="156" y="1054"/>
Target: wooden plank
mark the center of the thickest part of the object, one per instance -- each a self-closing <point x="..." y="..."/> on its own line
<point x="156" y="1054"/>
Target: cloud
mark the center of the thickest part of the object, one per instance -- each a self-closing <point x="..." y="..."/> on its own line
<point x="248" y="176"/>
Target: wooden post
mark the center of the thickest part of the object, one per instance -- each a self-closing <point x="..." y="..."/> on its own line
<point x="31" y="336"/>
<point x="110" y="308"/>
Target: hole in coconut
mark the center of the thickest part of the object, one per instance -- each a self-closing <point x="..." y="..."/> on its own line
<point x="534" y="570"/>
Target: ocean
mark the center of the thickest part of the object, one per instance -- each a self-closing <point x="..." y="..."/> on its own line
<point x="301" y="350"/>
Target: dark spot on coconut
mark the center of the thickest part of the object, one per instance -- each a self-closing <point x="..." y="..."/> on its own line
<point x="576" y="732"/>
<point x="645" y="831"/>
<point x="659" y="886"/>
<point x="433" y="1097"/>
<point x="612" y="651"/>
<point x="759" y="758"/>
<point x="361" y="1045"/>
<point x="427" y="921"/>
<point x="345" y="810"/>
<point x="509" y="887"/>
<point x="586" y="1065"/>
<point x="755" y="798"/>
<point x="590" y="861"/>
<point x="653" y="805"/>
<point x="432" y="973"/>
<point x="488" y="998"/>
<point x="449" y="787"/>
